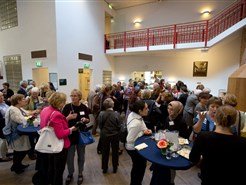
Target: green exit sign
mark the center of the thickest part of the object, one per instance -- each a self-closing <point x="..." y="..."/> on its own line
<point x="86" y="66"/>
<point x="39" y="64"/>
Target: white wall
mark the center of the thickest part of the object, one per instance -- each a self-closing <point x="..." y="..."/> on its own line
<point x="167" y="12"/>
<point x="64" y="29"/>
<point x="223" y="59"/>
<point x="80" y="29"/>
<point x="35" y="31"/>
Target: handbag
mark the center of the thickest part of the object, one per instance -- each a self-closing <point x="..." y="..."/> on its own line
<point x="123" y="133"/>
<point x="48" y="141"/>
<point x="85" y="138"/>
<point x="9" y="133"/>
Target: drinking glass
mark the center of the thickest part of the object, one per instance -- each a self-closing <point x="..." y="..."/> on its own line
<point x="175" y="148"/>
<point x="168" y="154"/>
<point x="157" y="137"/>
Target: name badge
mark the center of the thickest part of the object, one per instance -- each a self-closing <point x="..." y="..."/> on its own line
<point x="171" y="123"/>
<point x="82" y="113"/>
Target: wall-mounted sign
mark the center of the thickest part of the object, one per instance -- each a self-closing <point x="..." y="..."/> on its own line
<point x="83" y="56"/>
<point x="38" y="63"/>
<point x="86" y="66"/>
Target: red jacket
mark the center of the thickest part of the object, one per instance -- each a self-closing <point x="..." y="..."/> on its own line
<point x="58" y="122"/>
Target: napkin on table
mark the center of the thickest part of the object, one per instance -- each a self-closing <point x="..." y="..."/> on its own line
<point x="141" y="146"/>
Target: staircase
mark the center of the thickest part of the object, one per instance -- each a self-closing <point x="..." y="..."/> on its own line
<point x="200" y="34"/>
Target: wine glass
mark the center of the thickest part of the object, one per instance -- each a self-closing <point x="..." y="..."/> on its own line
<point x="176" y="147"/>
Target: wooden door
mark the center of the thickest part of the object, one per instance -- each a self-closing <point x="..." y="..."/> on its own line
<point x="40" y="75"/>
<point x="84" y="82"/>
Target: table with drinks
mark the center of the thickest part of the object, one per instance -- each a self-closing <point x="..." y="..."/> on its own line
<point x="153" y="154"/>
<point x="163" y="164"/>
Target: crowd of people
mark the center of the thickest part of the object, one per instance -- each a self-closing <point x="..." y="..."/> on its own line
<point x="197" y="115"/>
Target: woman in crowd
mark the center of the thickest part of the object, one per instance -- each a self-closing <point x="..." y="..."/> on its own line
<point x="231" y="99"/>
<point x="45" y="91"/>
<point x="202" y="105"/>
<point x="160" y="113"/>
<point x="81" y="113"/>
<point x="109" y="123"/>
<point x="34" y="100"/>
<point x="145" y="96"/>
<point x="174" y="121"/>
<point x="223" y="154"/>
<point x="7" y="93"/>
<point x="33" y="105"/>
<point x="51" y="166"/>
<point x="136" y="128"/>
<point x="205" y="121"/>
<point x="19" y="143"/>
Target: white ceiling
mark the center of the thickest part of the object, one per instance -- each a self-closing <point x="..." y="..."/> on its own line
<point x="120" y="4"/>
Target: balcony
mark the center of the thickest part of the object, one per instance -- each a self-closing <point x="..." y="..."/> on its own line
<point x="200" y="34"/>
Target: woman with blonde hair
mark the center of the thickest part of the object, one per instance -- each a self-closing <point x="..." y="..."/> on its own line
<point x="51" y="166"/>
<point x="223" y="154"/>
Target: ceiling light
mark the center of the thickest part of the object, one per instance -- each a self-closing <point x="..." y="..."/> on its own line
<point x="206" y="12"/>
<point x="137" y="21"/>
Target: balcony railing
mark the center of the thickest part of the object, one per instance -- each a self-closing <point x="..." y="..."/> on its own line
<point x="201" y="31"/>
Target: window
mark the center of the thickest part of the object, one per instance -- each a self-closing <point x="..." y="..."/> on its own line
<point x="8" y="14"/>
<point x="107" y="77"/>
<point x="13" y="71"/>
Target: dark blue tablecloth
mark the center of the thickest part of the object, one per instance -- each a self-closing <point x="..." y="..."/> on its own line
<point x="27" y="130"/>
<point x="153" y="154"/>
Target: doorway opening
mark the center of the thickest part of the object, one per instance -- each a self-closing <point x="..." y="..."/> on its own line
<point x="148" y="76"/>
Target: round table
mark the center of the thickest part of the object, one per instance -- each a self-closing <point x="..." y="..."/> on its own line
<point x="153" y="154"/>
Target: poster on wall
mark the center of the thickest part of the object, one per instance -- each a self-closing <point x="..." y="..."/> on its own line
<point x="200" y="68"/>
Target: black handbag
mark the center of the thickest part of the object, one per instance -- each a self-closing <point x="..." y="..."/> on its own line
<point x="123" y="133"/>
<point x="86" y="138"/>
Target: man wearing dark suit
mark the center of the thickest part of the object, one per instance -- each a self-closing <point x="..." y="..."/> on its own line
<point x="22" y="89"/>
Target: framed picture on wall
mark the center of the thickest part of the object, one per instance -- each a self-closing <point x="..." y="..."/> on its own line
<point x="200" y="68"/>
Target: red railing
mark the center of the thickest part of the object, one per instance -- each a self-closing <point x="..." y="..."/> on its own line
<point x="201" y="31"/>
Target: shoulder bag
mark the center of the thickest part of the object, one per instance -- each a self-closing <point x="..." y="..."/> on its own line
<point x="48" y="141"/>
<point x="85" y="138"/>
